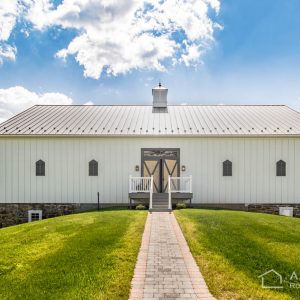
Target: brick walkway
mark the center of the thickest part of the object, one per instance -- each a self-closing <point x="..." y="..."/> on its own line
<point x="166" y="268"/>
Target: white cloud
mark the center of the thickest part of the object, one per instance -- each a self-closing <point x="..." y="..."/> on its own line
<point x="8" y="16"/>
<point x="16" y="99"/>
<point x="192" y="55"/>
<point x="116" y="37"/>
<point x="7" y="52"/>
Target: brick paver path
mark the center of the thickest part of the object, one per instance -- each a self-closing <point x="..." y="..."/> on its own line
<point x="165" y="267"/>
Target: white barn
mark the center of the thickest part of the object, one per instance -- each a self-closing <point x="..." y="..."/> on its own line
<point x="58" y="158"/>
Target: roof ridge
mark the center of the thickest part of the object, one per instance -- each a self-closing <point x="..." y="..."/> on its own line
<point x="150" y="105"/>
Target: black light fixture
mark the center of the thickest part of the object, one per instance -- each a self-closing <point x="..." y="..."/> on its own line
<point x="183" y="168"/>
<point x="137" y="168"/>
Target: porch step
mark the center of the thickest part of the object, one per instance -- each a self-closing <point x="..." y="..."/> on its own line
<point x="160" y="207"/>
<point x="160" y="210"/>
<point x="160" y="198"/>
<point x="160" y="202"/>
<point x="160" y="195"/>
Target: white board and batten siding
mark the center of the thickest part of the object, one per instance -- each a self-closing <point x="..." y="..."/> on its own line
<point x="254" y="160"/>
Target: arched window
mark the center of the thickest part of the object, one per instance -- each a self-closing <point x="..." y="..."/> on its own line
<point x="93" y="168"/>
<point x="227" y="168"/>
<point x="281" y="168"/>
<point x="40" y="168"/>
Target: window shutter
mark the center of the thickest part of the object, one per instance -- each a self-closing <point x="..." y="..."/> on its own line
<point x="281" y="168"/>
<point x="40" y="168"/>
<point x="227" y="168"/>
<point x="93" y="168"/>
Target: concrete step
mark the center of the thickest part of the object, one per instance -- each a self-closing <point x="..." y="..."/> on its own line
<point x="160" y="205"/>
<point x="160" y="202"/>
<point x="159" y="210"/>
<point x="160" y="196"/>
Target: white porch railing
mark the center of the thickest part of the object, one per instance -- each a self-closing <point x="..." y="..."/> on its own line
<point x="178" y="185"/>
<point x="141" y="185"/>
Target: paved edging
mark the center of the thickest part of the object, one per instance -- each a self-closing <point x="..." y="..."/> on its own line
<point x="165" y="267"/>
<point x="138" y="281"/>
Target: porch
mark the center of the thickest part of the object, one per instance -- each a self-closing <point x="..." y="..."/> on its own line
<point x="141" y="190"/>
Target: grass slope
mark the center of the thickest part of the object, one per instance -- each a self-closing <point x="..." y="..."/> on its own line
<point x="83" y="256"/>
<point x="233" y="248"/>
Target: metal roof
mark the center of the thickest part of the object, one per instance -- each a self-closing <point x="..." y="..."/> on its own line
<point x="136" y="120"/>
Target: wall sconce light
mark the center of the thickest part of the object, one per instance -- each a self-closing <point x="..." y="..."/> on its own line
<point x="183" y="168"/>
<point x="137" y="168"/>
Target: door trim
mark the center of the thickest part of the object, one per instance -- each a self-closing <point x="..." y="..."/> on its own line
<point x="143" y="158"/>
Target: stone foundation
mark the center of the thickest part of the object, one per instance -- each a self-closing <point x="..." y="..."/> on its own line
<point x="273" y="208"/>
<point x="231" y="206"/>
<point x="13" y="214"/>
<point x="262" y="208"/>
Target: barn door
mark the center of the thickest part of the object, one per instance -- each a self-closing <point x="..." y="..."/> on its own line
<point x="170" y="168"/>
<point x="152" y="167"/>
<point x="161" y="163"/>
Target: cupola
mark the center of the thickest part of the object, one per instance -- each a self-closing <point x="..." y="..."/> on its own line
<point x="160" y="102"/>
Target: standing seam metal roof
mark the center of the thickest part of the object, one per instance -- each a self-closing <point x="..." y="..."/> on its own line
<point x="110" y="120"/>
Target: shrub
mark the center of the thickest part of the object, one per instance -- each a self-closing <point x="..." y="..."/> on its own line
<point x="140" y="207"/>
<point x="180" y="205"/>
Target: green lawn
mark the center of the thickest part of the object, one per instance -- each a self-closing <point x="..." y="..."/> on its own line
<point x="233" y="248"/>
<point x="82" y="256"/>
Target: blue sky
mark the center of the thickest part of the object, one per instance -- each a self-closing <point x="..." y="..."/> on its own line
<point x="254" y="59"/>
